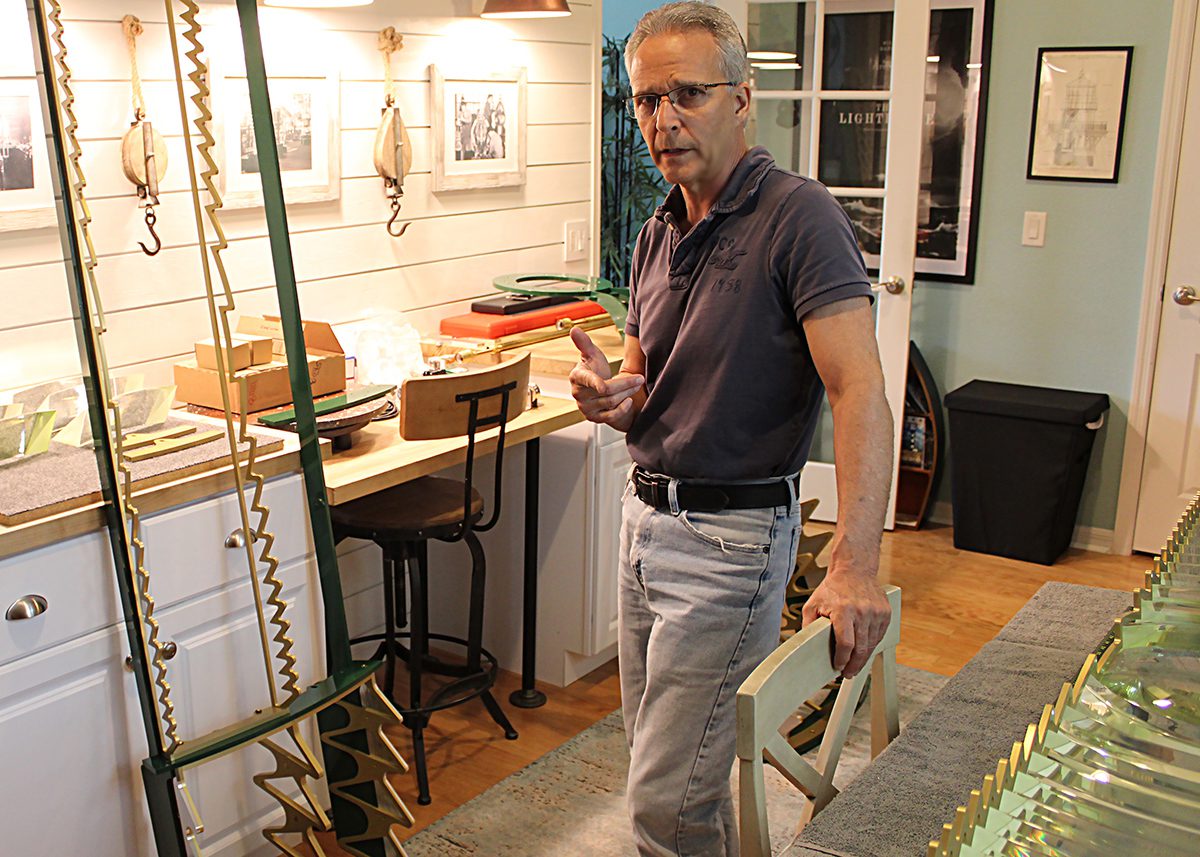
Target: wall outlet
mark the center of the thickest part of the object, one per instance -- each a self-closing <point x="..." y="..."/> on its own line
<point x="1033" y="232"/>
<point x="576" y="238"/>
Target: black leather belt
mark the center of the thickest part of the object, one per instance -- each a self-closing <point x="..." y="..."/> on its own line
<point x="651" y="489"/>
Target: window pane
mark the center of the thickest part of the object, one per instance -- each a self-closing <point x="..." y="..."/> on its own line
<point x="782" y="125"/>
<point x="779" y="42"/>
<point x="857" y="51"/>
<point x="853" y="143"/>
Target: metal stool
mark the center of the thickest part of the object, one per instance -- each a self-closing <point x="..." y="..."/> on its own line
<point x="402" y="520"/>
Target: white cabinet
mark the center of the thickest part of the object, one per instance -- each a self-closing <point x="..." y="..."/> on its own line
<point x="71" y="732"/>
<point x="71" y="779"/>
<point x="612" y="471"/>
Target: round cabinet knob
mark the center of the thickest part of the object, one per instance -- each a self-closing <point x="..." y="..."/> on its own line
<point x="170" y="650"/>
<point x="1185" y="295"/>
<point x="26" y="608"/>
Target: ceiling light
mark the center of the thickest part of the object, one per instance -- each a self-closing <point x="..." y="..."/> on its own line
<point x="933" y="58"/>
<point x="770" y="55"/>
<point x="525" y="9"/>
<point x="974" y="65"/>
<point x="775" y="66"/>
<point x="316" y="4"/>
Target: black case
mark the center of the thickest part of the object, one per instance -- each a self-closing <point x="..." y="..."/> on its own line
<point x="1019" y="459"/>
<point x="513" y="304"/>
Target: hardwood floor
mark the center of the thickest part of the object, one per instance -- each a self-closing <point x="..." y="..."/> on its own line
<point x="954" y="602"/>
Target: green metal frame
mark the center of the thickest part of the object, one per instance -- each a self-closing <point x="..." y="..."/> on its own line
<point x="161" y="770"/>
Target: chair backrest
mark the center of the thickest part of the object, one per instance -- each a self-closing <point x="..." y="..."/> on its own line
<point x="440" y="405"/>
<point x="793" y="673"/>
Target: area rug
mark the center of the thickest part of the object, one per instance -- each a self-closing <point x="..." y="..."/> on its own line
<point x="571" y="802"/>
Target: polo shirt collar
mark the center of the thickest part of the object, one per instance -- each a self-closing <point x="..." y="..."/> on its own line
<point x="743" y="184"/>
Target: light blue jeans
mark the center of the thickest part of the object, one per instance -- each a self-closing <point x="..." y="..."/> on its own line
<point x="701" y="595"/>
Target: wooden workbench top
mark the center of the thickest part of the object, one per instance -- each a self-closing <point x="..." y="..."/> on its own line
<point x="380" y="458"/>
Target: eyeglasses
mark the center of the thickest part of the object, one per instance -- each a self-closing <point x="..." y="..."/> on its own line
<point x="689" y="97"/>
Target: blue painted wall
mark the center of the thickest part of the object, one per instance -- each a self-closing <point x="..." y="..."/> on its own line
<point x="1064" y="315"/>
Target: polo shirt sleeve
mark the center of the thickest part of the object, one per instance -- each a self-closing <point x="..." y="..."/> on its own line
<point x="813" y="251"/>
<point x="635" y="265"/>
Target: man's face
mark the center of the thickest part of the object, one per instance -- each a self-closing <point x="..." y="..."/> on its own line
<point x="693" y="148"/>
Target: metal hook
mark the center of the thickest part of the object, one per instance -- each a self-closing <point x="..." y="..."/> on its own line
<point x="151" y="219"/>
<point x="395" y="214"/>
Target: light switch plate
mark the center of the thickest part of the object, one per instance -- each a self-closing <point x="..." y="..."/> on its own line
<point x="575" y="241"/>
<point x="1033" y="232"/>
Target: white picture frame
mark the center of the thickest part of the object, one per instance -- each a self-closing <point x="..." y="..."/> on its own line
<point x="26" y="191"/>
<point x="479" y="129"/>
<point x="307" y="116"/>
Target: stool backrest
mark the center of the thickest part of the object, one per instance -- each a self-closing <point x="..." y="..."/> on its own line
<point x="440" y="405"/>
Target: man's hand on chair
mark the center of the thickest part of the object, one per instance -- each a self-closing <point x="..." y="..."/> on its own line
<point x="854" y="602"/>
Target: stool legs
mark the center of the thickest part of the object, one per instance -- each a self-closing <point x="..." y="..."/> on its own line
<point x="475" y="631"/>
<point x="416" y="720"/>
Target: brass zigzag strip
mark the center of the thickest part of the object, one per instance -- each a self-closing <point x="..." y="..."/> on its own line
<point x="130" y="516"/>
<point x="372" y="766"/>
<point x="297" y="818"/>
<point x="259" y="534"/>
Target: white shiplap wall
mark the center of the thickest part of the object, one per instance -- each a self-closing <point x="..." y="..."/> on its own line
<point x="346" y="264"/>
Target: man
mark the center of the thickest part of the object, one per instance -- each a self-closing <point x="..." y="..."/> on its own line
<point x="748" y="296"/>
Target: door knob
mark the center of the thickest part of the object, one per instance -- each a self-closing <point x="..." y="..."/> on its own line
<point x="26" y="608"/>
<point x="893" y="285"/>
<point x="1185" y="295"/>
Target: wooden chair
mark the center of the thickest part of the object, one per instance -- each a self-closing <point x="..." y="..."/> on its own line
<point x="794" y="672"/>
<point x="402" y="520"/>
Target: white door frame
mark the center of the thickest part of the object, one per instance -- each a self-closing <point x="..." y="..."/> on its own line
<point x="1166" y="171"/>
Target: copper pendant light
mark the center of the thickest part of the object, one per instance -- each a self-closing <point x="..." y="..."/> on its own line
<point x="525" y="9"/>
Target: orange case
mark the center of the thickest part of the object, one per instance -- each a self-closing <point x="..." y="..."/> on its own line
<point x="483" y="325"/>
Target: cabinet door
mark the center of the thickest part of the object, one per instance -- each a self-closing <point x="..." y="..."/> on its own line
<point x="612" y="469"/>
<point x="219" y="677"/>
<point x="71" y="740"/>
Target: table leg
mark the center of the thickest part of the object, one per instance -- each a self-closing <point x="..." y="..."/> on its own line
<point x="528" y="696"/>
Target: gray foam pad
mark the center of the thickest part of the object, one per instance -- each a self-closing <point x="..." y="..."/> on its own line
<point x="64" y="473"/>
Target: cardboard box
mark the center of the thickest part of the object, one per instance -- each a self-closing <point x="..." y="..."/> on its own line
<point x="237" y="356"/>
<point x="267" y="385"/>
<point x="260" y="347"/>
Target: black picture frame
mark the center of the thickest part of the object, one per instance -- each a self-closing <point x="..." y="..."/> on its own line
<point x="1068" y="149"/>
<point x="942" y="256"/>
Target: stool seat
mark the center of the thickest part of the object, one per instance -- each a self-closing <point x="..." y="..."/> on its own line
<point x="417" y="509"/>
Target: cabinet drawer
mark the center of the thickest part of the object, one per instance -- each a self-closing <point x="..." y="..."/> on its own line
<point x="185" y="547"/>
<point x="75" y="578"/>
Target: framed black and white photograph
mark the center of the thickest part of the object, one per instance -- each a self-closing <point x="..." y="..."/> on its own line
<point x="1079" y="101"/>
<point x="478" y="129"/>
<point x="26" y="194"/>
<point x="305" y="113"/>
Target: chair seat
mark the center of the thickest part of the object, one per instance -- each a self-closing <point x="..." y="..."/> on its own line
<point x="416" y="509"/>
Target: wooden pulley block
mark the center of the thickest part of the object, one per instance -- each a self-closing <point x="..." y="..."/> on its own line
<point x="393" y="151"/>
<point x="144" y="156"/>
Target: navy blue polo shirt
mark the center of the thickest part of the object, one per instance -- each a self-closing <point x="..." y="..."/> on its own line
<point x="732" y="392"/>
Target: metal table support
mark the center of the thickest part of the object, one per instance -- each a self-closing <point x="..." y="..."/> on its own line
<point x="528" y="696"/>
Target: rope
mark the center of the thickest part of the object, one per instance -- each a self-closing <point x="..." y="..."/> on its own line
<point x="389" y="42"/>
<point x="132" y="28"/>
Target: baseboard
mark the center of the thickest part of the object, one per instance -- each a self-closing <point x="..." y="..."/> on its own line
<point x="1096" y="539"/>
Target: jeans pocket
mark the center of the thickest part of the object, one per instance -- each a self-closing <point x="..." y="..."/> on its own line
<point x="732" y="530"/>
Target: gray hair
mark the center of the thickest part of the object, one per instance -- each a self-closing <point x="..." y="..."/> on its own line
<point x="694" y="15"/>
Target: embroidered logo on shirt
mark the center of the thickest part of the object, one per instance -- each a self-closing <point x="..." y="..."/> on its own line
<point x="725" y="256"/>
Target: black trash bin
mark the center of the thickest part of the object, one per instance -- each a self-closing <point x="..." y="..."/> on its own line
<point x="1019" y="456"/>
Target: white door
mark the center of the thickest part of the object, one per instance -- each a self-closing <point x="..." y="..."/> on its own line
<point x="1171" y="468"/>
<point x="809" y="91"/>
